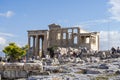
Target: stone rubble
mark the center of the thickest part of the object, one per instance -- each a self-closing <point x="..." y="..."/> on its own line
<point x="19" y="70"/>
<point x="108" y="69"/>
<point x="86" y="66"/>
<point x="74" y="65"/>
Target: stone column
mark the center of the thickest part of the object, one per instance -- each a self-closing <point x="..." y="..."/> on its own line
<point x="37" y="46"/>
<point x="90" y="41"/>
<point x="29" y="40"/>
<point x="42" y="45"/>
<point x="98" y="43"/>
<point x="29" y="45"/>
<point x="78" y="39"/>
<point x="45" y="42"/>
<point x="67" y="39"/>
<point x="33" y="45"/>
<point x="72" y="38"/>
<point x="61" y="38"/>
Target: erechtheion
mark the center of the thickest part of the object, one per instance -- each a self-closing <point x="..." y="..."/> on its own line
<point x="40" y="40"/>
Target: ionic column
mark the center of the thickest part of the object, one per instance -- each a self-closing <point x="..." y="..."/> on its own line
<point x="98" y="42"/>
<point x="67" y="38"/>
<point x="72" y="38"/>
<point x="61" y="39"/>
<point x="29" y="42"/>
<point x="90" y="41"/>
<point x="37" y="46"/>
<point x="42" y="46"/>
<point x="78" y="39"/>
<point x="33" y="45"/>
<point x="28" y="53"/>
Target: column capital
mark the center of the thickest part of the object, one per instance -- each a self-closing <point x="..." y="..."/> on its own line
<point x="29" y="35"/>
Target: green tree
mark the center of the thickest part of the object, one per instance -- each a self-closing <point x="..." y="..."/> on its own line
<point x="26" y="47"/>
<point x="14" y="52"/>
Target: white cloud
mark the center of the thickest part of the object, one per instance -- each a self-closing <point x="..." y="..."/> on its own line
<point x="20" y="44"/>
<point x="6" y="34"/>
<point x="94" y="22"/>
<point x="109" y="39"/>
<point x="2" y="41"/>
<point x="114" y="9"/>
<point x="4" y="37"/>
<point x="7" y="14"/>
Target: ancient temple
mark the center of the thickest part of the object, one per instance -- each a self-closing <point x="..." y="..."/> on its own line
<point x="75" y="37"/>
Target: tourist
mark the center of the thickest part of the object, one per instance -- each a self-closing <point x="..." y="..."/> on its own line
<point x="118" y="49"/>
<point x="113" y="50"/>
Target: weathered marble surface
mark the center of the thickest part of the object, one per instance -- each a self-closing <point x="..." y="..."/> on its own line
<point x="19" y="70"/>
<point x="66" y="70"/>
<point x="108" y="69"/>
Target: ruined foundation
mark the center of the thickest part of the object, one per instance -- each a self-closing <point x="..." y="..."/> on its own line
<point x="19" y="70"/>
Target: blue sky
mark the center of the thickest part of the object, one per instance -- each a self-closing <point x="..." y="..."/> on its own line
<point x="18" y="16"/>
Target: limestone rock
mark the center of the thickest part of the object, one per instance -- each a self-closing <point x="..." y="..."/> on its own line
<point x="103" y="66"/>
<point x="92" y="72"/>
<point x="13" y="66"/>
<point x="1" y="66"/>
<point x="11" y="74"/>
<point x="33" y="66"/>
<point x="55" y="61"/>
<point x="117" y="72"/>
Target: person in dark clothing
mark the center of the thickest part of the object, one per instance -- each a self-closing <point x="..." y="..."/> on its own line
<point x="118" y="49"/>
<point x="113" y="50"/>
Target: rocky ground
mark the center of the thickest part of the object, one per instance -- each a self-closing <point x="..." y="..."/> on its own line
<point x="75" y="65"/>
<point x="77" y="69"/>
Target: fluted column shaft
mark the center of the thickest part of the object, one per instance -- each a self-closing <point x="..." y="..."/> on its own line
<point x="33" y="45"/>
<point x="37" y="46"/>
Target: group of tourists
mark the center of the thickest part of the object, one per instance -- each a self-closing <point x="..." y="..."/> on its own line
<point x="113" y="50"/>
